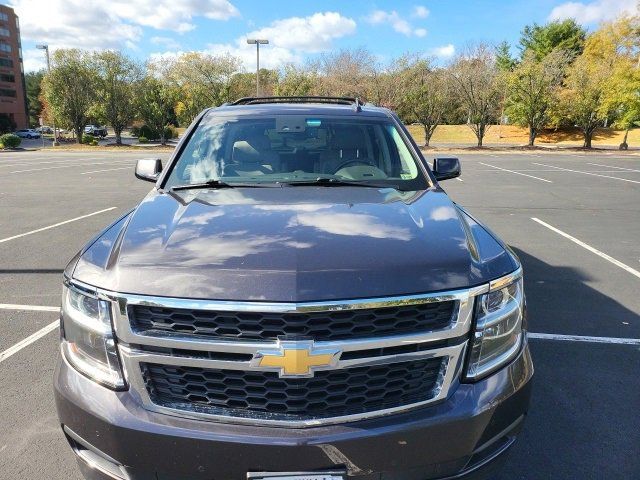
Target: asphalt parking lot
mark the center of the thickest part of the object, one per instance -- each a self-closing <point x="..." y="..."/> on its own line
<point x="574" y="220"/>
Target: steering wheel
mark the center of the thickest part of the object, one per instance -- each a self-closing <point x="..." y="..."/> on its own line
<point x="350" y="163"/>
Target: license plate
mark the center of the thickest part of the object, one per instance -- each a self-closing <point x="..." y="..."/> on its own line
<point x="295" y="476"/>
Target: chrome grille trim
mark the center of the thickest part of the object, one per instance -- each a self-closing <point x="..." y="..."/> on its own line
<point x="131" y="346"/>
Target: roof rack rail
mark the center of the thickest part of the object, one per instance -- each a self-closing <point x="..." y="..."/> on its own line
<point x="356" y="102"/>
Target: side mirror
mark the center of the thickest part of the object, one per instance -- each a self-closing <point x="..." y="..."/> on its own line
<point x="445" y="168"/>
<point x="148" y="169"/>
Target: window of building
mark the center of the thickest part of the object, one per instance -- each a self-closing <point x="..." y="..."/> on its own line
<point x="4" y="32"/>
<point x="7" y="92"/>
<point x="5" y="47"/>
<point x="7" y="77"/>
<point x="6" y="62"/>
<point x="4" y="17"/>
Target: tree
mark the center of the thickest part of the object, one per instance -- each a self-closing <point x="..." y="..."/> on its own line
<point x="425" y="98"/>
<point x="203" y="80"/>
<point x="69" y="88"/>
<point x="33" y="81"/>
<point x="155" y="101"/>
<point x="581" y="99"/>
<point x="344" y="73"/>
<point x="541" y="40"/>
<point x="617" y="45"/>
<point x="477" y="84"/>
<point x="294" y="81"/>
<point x="504" y="61"/>
<point x="531" y="89"/>
<point x="117" y="78"/>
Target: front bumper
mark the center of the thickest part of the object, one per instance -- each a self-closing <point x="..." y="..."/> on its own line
<point x="462" y="437"/>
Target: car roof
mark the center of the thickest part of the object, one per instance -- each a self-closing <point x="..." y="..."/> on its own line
<point x="297" y="107"/>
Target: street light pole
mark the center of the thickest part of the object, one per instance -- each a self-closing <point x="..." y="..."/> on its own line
<point x="257" y="42"/>
<point x="53" y="118"/>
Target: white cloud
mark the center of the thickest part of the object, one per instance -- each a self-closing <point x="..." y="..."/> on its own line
<point x="399" y="24"/>
<point x="34" y="60"/>
<point x="289" y="39"/>
<point x="444" y="51"/>
<point x="115" y="24"/>
<point x="593" y="12"/>
<point x="166" y="42"/>
<point x="309" y="34"/>
<point x="420" y="11"/>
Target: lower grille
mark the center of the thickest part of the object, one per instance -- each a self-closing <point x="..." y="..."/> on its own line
<point x="263" y="395"/>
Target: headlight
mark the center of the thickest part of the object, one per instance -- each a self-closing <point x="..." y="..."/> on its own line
<point x="88" y="342"/>
<point x="498" y="328"/>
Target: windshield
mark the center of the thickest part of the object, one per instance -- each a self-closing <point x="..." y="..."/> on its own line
<point x="297" y="148"/>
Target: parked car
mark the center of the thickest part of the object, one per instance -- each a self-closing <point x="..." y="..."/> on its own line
<point x="27" y="133"/>
<point x="44" y="129"/>
<point x="296" y="298"/>
<point x="95" y="130"/>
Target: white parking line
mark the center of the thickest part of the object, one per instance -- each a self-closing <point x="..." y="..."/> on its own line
<point x="60" y="166"/>
<point x="587" y="173"/>
<point x="28" y="341"/>
<point x="31" y="308"/>
<point x="618" y="168"/>
<point x="617" y="263"/>
<point x="516" y="173"/>
<point x="56" y="225"/>
<point x="107" y="170"/>
<point x="580" y="338"/>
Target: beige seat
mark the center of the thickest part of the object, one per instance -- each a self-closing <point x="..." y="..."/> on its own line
<point x="252" y="155"/>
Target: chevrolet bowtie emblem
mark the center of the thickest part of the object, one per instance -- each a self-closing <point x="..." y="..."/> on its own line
<point x="296" y="358"/>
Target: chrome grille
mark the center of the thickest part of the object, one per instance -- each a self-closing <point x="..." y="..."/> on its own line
<point x="166" y="369"/>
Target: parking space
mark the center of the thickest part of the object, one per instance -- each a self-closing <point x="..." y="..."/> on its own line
<point x="573" y="219"/>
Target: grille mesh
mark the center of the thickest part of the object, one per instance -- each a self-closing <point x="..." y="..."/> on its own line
<point x="327" y="325"/>
<point x="328" y="394"/>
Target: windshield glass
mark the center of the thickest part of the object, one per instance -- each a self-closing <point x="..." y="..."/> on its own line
<point x="297" y="148"/>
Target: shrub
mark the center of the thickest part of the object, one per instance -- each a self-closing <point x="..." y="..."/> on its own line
<point x="170" y="132"/>
<point x="142" y="139"/>
<point x="88" y="139"/>
<point x="94" y="142"/>
<point x="9" y="140"/>
<point x="135" y="131"/>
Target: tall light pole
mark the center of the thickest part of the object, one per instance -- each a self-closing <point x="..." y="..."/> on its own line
<point x="53" y="119"/>
<point x="257" y="42"/>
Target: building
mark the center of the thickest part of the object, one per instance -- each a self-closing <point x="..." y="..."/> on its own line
<point x="13" y="100"/>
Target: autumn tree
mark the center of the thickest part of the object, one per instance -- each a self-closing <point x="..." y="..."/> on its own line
<point x="155" y="101"/>
<point x="33" y="88"/>
<point x="344" y="73"/>
<point x="203" y="80"/>
<point x="117" y="78"/>
<point x="69" y="88"/>
<point x="425" y="96"/>
<point x="477" y="84"/>
<point x="617" y="45"/>
<point x="531" y="89"/>
<point x="294" y="81"/>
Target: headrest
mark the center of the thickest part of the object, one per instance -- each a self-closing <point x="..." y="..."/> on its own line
<point x="349" y="138"/>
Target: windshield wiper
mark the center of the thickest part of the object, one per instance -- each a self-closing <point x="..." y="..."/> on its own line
<point x="335" y="182"/>
<point x="215" y="184"/>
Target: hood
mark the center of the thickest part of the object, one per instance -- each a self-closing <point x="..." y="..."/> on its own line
<point x="293" y="244"/>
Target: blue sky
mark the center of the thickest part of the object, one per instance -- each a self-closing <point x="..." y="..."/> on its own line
<point x="298" y="30"/>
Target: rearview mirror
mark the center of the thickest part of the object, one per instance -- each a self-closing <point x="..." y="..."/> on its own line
<point x="445" y="168"/>
<point x="148" y="169"/>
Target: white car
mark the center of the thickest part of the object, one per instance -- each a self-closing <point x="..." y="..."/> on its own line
<point x="27" y="133"/>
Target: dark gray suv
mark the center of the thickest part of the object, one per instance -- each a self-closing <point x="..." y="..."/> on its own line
<point x="295" y="299"/>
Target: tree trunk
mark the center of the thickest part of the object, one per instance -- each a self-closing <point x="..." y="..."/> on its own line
<point x="427" y="135"/>
<point x="624" y="145"/>
<point x="79" y="132"/>
<point x="118" y="133"/>
<point x="480" y="135"/>
<point x="532" y="136"/>
<point x="587" y="138"/>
